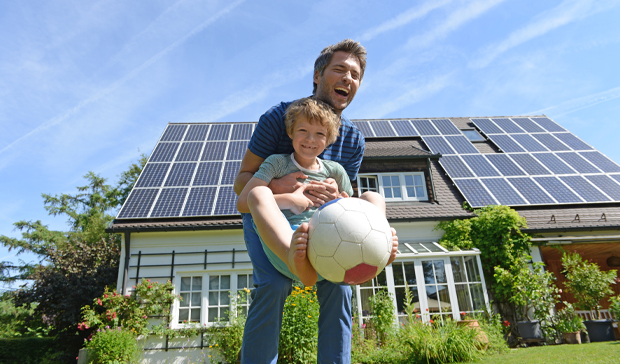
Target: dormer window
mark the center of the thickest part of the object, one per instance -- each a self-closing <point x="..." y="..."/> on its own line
<point x="408" y="186"/>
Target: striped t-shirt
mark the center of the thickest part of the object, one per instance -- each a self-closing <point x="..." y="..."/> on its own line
<point x="270" y="138"/>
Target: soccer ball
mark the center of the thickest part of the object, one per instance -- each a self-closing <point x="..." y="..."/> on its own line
<point x="349" y="241"/>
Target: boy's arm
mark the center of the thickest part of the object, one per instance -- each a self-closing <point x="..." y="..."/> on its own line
<point x="297" y="202"/>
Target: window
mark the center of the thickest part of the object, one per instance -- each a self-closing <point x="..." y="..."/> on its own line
<point x="436" y="287"/>
<point x="473" y="135"/>
<point x="396" y="186"/>
<point x="368" y="289"/>
<point x="468" y="284"/>
<point x="211" y="303"/>
<point x="405" y="278"/>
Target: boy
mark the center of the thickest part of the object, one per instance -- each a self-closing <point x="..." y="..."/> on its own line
<point x="312" y="126"/>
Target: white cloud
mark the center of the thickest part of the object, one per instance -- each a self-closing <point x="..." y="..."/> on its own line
<point x="565" y="13"/>
<point x="406" y="17"/>
<point x="580" y="103"/>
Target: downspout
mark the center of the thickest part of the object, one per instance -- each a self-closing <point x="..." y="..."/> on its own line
<point x="430" y="175"/>
<point x="127" y="257"/>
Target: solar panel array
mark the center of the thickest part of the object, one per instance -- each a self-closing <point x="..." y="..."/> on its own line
<point x="190" y="172"/>
<point x="542" y="163"/>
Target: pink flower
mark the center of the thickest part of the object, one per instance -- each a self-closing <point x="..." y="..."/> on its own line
<point x="417" y="316"/>
<point x="431" y="321"/>
<point x="150" y="286"/>
<point x="427" y="310"/>
<point x="560" y="290"/>
<point x="99" y="302"/>
<point x="363" y="326"/>
<point x="105" y="295"/>
<point x="463" y="313"/>
<point x="146" y="317"/>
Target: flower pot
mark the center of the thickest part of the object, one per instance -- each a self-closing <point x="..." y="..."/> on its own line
<point x="530" y="330"/>
<point x="600" y="330"/>
<point x="482" y="338"/>
<point x="572" y="337"/>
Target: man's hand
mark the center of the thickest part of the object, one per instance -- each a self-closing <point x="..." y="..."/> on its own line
<point x="320" y="192"/>
<point x="394" y="246"/>
<point x="300" y="201"/>
<point x="288" y="183"/>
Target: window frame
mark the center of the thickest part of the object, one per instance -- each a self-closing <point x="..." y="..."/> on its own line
<point x="403" y="186"/>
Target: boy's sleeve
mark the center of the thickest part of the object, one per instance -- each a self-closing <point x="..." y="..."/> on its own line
<point x="270" y="168"/>
<point x="338" y="173"/>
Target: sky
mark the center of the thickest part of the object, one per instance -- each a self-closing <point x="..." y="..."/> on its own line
<point x="90" y="85"/>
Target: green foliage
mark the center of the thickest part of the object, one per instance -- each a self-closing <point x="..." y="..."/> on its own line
<point x="18" y="321"/>
<point x="299" y="333"/>
<point x="614" y="306"/>
<point x="131" y="312"/>
<point x="112" y="346"/>
<point x="31" y="350"/>
<point x="228" y="335"/>
<point x="568" y="320"/>
<point x="587" y="282"/>
<point x="382" y="308"/>
<point x="495" y="230"/>
<point x="528" y="288"/>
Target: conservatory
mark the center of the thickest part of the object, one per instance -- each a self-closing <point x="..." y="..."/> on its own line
<point x="441" y="283"/>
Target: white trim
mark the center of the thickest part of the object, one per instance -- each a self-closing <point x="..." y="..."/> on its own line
<point x="403" y="186"/>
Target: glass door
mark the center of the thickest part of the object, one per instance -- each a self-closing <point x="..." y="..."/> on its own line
<point x="437" y="289"/>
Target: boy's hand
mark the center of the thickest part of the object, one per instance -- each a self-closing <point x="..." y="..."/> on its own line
<point x="287" y="184"/>
<point x="321" y="192"/>
<point x="394" y="246"/>
<point x="300" y="200"/>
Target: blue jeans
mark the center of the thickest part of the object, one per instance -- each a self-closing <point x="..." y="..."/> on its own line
<point x="262" y="328"/>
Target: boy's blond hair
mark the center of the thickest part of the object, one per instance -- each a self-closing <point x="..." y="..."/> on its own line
<point x="314" y="111"/>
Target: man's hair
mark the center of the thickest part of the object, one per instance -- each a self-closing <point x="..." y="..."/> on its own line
<point x="348" y="46"/>
<point x="315" y="111"/>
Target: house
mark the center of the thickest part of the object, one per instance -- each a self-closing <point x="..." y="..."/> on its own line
<point x="180" y="222"/>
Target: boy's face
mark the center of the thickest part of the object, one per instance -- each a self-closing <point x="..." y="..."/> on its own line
<point x="309" y="139"/>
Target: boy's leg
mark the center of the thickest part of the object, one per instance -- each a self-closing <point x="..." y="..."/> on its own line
<point x="262" y="327"/>
<point x="277" y="234"/>
<point x="334" y="323"/>
<point x="375" y="199"/>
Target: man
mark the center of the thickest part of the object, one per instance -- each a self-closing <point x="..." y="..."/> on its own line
<point x="338" y="72"/>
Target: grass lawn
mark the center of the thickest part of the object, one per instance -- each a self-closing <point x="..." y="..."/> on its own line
<point x="605" y="352"/>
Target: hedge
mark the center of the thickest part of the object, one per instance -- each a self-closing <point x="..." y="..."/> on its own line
<point x="30" y="350"/>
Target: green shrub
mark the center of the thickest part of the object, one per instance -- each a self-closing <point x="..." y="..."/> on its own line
<point x="227" y="336"/>
<point x="382" y="309"/>
<point x="299" y="334"/>
<point x="112" y="346"/>
<point x="31" y="350"/>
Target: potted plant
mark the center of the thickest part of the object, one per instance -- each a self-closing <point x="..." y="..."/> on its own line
<point x="570" y="324"/>
<point x="590" y="286"/>
<point x="532" y="291"/>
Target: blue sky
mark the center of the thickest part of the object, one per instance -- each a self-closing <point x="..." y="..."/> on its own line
<point x="89" y="85"/>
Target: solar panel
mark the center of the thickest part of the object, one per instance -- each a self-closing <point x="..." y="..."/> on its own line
<point x="461" y="144"/>
<point x="487" y="126"/>
<point x="219" y="132"/>
<point x="616" y="177"/>
<point x="505" y="165"/>
<point x="213" y="151"/>
<point x="241" y="132"/>
<point x="208" y="174"/>
<point x="504" y="193"/>
<point x="364" y="127"/>
<point x="572" y="141"/>
<point x="197" y="132"/>
<point x="189" y="152"/>
<point x="557" y="189"/>
<point x="169" y="202"/>
<point x="173" y="133"/>
<point x="528" y="125"/>
<point x="438" y="144"/>
<point x="226" y="202"/>
<point x="236" y="150"/>
<point x="200" y="201"/>
<point x="164" y="152"/>
<point x="531" y="191"/>
<point x="230" y="173"/>
<point x="404" y="128"/>
<point x="578" y="163"/>
<point x="553" y="163"/>
<point x="425" y="127"/>
<point x="584" y="189"/>
<point x="529" y="143"/>
<point x="382" y="128"/>
<point x="607" y="185"/>
<point x="551" y="142"/>
<point x="602" y="162"/>
<point x="446" y="127"/>
<point x="180" y="174"/>
<point x="480" y="166"/>
<point x="455" y="167"/>
<point x="508" y="126"/>
<point x="474" y="192"/>
<point x="153" y="175"/>
<point x="138" y="203"/>
<point x="548" y="124"/>
<point x="530" y="165"/>
<point x="506" y="144"/>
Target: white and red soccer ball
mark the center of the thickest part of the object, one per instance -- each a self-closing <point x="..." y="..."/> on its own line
<point x="350" y="241"/>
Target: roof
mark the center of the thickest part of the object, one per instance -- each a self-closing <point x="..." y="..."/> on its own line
<point x="392" y="148"/>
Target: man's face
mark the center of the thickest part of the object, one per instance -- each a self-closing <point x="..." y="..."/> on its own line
<point x="339" y="82"/>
